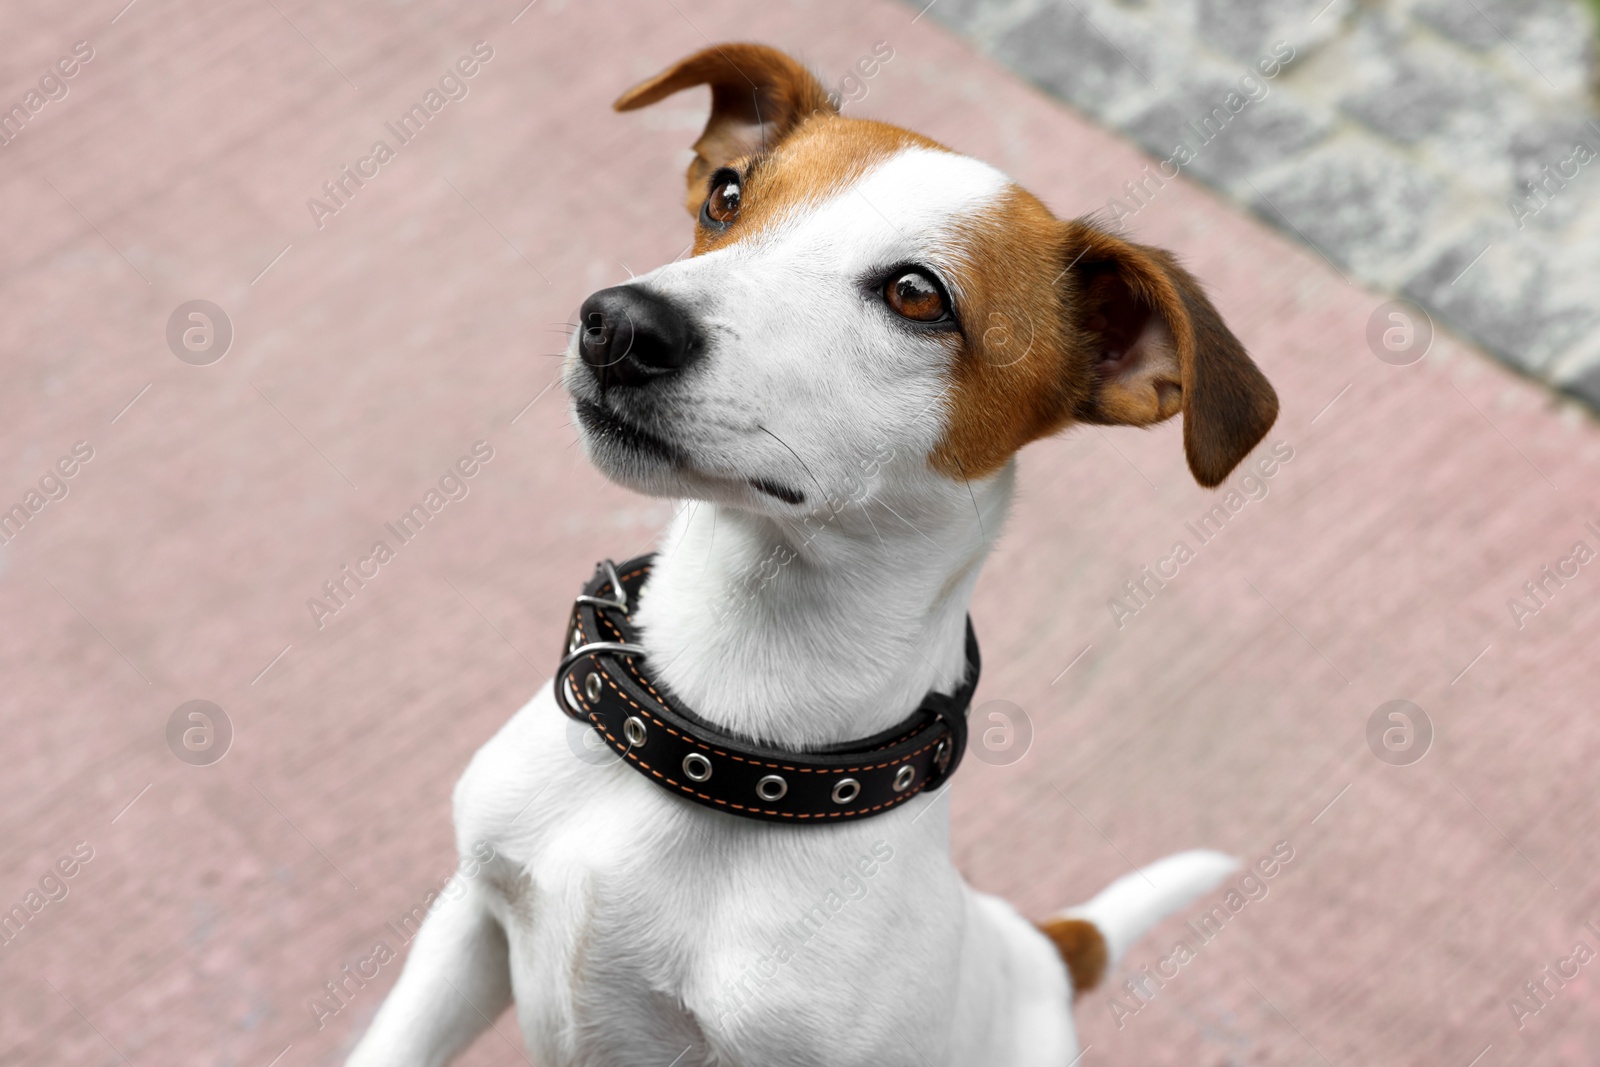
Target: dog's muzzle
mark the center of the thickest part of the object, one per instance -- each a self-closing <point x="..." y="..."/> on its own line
<point x="601" y="682"/>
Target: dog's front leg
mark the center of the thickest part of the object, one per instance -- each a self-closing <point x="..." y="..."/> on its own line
<point x="456" y="980"/>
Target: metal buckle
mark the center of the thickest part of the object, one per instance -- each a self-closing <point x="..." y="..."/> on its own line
<point x="621" y="601"/>
<point x="615" y="647"/>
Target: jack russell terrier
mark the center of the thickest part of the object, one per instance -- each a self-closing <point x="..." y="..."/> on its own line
<point x="753" y="867"/>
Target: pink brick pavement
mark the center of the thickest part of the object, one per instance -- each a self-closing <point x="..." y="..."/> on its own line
<point x="425" y="316"/>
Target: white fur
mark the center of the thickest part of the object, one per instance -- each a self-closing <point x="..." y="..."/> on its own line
<point x="1125" y="910"/>
<point x="636" y="928"/>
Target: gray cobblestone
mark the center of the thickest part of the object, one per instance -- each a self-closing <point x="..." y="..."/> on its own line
<point x="1542" y="147"/>
<point x="1083" y="63"/>
<point x="1476" y="27"/>
<point x="1518" y="300"/>
<point x="1552" y="39"/>
<point x="1586" y="387"/>
<point x="961" y="14"/>
<point x="1415" y="93"/>
<point x="1368" y="210"/>
<point x="1245" y="29"/>
<point x="1228" y="147"/>
<point x="1400" y="140"/>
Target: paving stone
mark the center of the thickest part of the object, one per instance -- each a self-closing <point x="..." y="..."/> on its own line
<point x="1417" y="99"/>
<point x="1228" y="145"/>
<point x="1482" y="23"/>
<point x="1578" y="370"/>
<point x="1094" y="65"/>
<point x="965" y="15"/>
<point x="1246" y="29"/>
<point x="1550" y="184"/>
<point x="1561" y="44"/>
<point x="1417" y="93"/>
<point x="1552" y="39"/>
<point x="1516" y="300"/>
<point x="1586" y="387"/>
<point x="1359" y="203"/>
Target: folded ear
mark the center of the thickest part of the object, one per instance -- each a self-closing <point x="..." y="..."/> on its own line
<point x="1157" y="346"/>
<point x="758" y="95"/>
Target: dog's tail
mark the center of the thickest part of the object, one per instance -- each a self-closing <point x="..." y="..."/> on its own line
<point x="1093" y="936"/>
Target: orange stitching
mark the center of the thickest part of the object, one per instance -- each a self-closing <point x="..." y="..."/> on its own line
<point x="627" y="753"/>
<point x="741" y="759"/>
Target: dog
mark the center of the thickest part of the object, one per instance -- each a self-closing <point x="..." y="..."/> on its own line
<point x="837" y="381"/>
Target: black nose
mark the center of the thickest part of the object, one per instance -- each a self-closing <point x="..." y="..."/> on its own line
<point x="631" y="336"/>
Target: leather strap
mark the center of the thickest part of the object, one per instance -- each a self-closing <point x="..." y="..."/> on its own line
<point x="601" y="682"/>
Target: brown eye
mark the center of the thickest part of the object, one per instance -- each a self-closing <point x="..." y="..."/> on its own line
<point x="722" y="206"/>
<point x="914" y="296"/>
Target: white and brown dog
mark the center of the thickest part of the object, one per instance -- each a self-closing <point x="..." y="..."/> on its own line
<point x="869" y="329"/>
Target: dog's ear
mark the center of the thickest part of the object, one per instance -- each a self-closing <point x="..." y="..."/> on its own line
<point x="1157" y="346"/>
<point x="758" y="95"/>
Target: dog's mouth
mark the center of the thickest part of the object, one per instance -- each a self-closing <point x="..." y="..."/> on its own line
<point x="607" y="426"/>
<point x="782" y="492"/>
<point x="611" y="430"/>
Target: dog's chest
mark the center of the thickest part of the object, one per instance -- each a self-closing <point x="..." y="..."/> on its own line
<point x="642" y="929"/>
<point x="607" y="953"/>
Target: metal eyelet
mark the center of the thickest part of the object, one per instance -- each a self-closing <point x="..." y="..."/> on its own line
<point x="941" y="754"/>
<point x="591" y="686"/>
<point x="697" y="767"/>
<point x="772" y="787"/>
<point x="904" y="777"/>
<point x="633" y="729"/>
<point x="846" y="790"/>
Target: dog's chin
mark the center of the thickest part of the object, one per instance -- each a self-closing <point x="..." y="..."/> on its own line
<point x="625" y="452"/>
<point x="649" y="463"/>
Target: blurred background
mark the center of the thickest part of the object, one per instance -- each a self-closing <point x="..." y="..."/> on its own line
<point x="228" y="364"/>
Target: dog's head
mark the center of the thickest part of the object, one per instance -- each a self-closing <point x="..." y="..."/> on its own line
<point x="858" y="292"/>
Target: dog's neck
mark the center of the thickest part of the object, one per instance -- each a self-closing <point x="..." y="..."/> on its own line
<point x="814" y="632"/>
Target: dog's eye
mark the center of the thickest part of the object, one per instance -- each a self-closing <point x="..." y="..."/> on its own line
<point x="914" y="295"/>
<point x="722" y="206"/>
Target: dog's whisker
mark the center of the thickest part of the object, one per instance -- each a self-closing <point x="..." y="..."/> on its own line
<point x="862" y="504"/>
<point x="713" y="541"/>
<point x="918" y="530"/>
<point x="796" y="455"/>
<point x="970" y="494"/>
<point x="688" y="509"/>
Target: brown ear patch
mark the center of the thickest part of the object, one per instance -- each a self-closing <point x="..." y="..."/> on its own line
<point x="1082" y="948"/>
<point x="1157" y="345"/>
<point x="1228" y="403"/>
<point x="758" y="96"/>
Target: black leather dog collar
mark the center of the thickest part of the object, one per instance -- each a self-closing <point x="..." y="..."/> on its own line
<point x="600" y="683"/>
